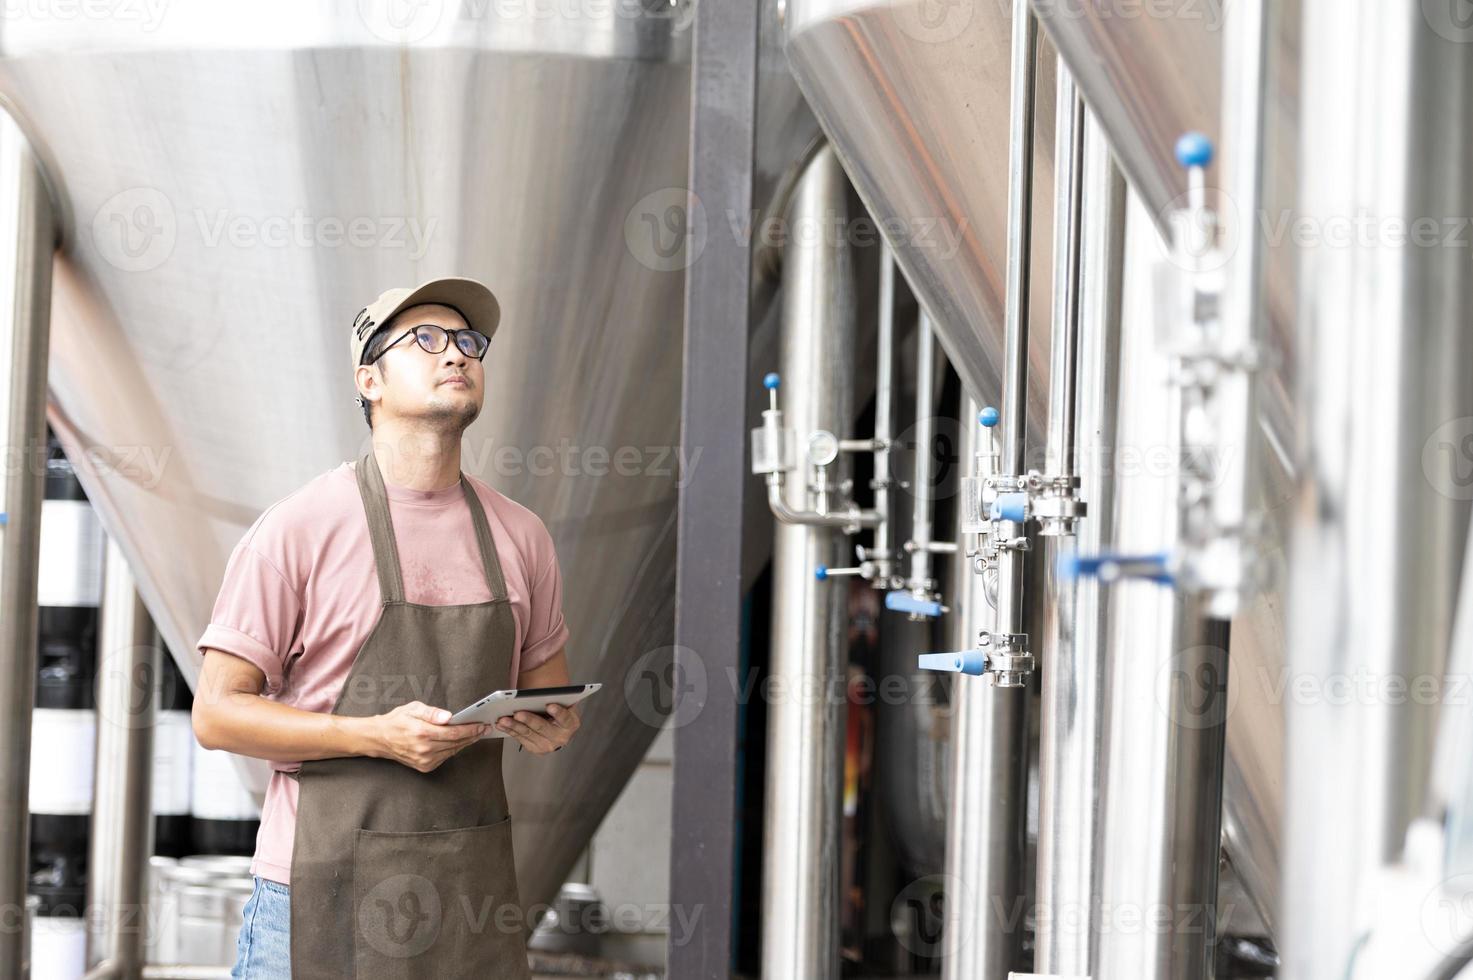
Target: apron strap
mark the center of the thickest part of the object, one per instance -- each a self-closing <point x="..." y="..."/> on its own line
<point x="386" y="550"/>
<point x="380" y="529"/>
<point x="490" y="561"/>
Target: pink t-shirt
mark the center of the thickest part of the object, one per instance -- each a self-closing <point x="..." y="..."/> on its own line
<point x="301" y="594"/>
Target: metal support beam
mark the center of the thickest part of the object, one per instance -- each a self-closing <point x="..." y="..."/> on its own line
<point x="27" y="241"/>
<point x="708" y="596"/>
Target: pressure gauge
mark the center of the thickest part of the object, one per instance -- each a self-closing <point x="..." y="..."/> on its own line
<point x="823" y="447"/>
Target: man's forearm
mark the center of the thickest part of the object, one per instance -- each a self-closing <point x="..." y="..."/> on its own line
<point x="249" y="724"/>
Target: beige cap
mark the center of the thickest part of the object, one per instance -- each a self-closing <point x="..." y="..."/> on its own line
<point x="470" y="298"/>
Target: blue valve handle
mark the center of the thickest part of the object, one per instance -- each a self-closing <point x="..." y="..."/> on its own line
<point x="972" y="662"/>
<point x="771" y="380"/>
<point x="1152" y="567"/>
<point x="821" y="572"/>
<point x="902" y="601"/>
<point x="988" y="416"/>
<point x="1194" y="150"/>
<point x="1009" y="507"/>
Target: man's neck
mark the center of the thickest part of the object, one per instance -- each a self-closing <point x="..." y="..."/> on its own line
<point x="417" y="458"/>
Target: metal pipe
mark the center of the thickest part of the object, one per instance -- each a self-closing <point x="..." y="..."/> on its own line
<point x="1233" y="402"/>
<point x="27" y="240"/>
<point x="122" y="814"/>
<point x="1075" y="611"/>
<point x="1020" y="236"/>
<point x="1384" y="343"/>
<point x="884" y="553"/>
<point x="805" y="765"/>
<point x="985" y="838"/>
<point x="985" y="852"/>
<point x="925" y="428"/>
<point x="1157" y="843"/>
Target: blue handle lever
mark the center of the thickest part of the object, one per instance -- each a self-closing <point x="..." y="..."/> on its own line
<point x="972" y="662"/>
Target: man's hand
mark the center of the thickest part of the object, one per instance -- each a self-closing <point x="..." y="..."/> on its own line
<point x="539" y="733"/>
<point x="416" y="735"/>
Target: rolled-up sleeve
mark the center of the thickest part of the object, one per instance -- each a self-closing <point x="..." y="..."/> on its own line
<point x="547" y="633"/>
<point x="257" y="615"/>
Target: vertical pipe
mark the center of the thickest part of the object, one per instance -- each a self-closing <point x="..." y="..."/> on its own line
<point x="985" y="837"/>
<point x="985" y="856"/>
<point x="805" y="765"/>
<point x="920" y="533"/>
<point x="1157" y="845"/>
<point x="1382" y="327"/>
<point x="1076" y="614"/>
<point x="122" y="815"/>
<point x="1233" y="402"/>
<point x="885" y="414"/>
<point x="27" y="240"/>
<point x="1020" y="236"/>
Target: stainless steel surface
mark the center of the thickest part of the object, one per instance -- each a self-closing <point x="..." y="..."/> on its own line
<point x="1059" y="457"/>
<point x="805" y="728"/>
<point x="1385" y="396"/>
<point x="985" y="835"/>
<point x="121" y="837"/>
<point x="914" y="97"/>
<point x="883" y="551"/>
<point x="1022" y="108"/>
<point x="912" y="94"/>
<point x="27" y="238"/>
<point x="243" y="180"/>
<point x="1149" y="78"/>
<point x="1233" y="401"/>
<point x="1164" y="704"/>
<point x="925" y="437"/>
<point x="1076" y="613"/>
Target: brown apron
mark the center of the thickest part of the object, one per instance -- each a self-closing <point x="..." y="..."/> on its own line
<point x="398" y="873"/>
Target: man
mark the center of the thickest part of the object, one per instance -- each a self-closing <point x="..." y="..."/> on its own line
<point x="355" y="616"/>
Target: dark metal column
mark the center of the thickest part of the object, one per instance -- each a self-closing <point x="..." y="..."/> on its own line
<point x="708" y="597"/>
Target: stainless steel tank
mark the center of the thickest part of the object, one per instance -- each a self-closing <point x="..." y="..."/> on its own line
<point x="914" y="96"/>
<point x="240" y="179"/>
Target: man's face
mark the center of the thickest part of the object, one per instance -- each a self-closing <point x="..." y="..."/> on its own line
<point x="446" y="389"/>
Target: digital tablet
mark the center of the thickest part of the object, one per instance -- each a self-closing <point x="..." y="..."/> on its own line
<point x="499" y="704"/>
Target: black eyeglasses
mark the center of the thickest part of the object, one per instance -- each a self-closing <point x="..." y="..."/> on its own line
<point x="434" y="338"/>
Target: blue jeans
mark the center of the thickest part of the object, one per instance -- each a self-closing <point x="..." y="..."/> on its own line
<point x="263" y="951"/>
